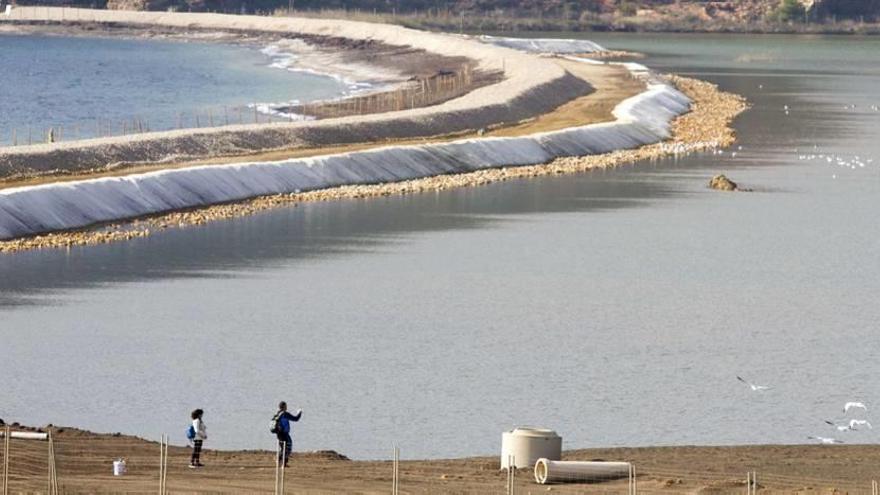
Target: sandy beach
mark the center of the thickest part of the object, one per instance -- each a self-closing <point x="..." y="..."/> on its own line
<point x="83" y="463"/>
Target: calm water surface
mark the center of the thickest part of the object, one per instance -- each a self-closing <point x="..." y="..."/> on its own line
<point x="91" y="86"/>
<point x="616" y="307"/>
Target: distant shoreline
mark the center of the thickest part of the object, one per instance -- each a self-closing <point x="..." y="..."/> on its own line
<point x="488" y="23"/>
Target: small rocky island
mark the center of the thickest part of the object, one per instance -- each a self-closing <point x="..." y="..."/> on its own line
<point x="722" y="183"/>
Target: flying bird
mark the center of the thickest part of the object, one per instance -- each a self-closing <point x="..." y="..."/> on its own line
<point x="839" y="427"/>
<point x="756" y="388"/>
<point x="854" y="405"/>
<point x="859" y="422"/>
<point x="826" y="441"/>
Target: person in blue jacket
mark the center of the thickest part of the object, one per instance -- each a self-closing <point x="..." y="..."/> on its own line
<point x="283" y="429"/>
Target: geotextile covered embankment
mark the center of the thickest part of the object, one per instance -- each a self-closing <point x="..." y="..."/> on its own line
<point x="31" y="210"/>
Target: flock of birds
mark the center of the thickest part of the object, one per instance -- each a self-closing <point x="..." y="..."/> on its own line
<point x="852" y="162"/>
<point x="875" y="108"/>
<point x="852" y="424"/>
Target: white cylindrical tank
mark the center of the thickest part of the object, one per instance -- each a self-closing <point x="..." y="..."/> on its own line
<point x="119" y="467"/>
<point x="527" y="445"/>
<point x="553" y="471"/>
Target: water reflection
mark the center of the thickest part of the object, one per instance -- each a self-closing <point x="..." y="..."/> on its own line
<point x="313" y="230"/>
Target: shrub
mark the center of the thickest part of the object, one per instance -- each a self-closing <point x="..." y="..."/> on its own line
<point x="789" y="11"/>
<point x="627" y="9"/>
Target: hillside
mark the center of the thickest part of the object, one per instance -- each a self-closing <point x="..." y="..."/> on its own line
<point x="552" y="15"/>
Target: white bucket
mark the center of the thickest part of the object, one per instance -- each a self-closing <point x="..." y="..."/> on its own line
<point x="118" y="467"/>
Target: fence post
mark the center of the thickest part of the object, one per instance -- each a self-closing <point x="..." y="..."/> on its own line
<point x="632" y="479"/>
<point x="277" y="466"/>
<point x="751" y="482"/>
<point x="54" y="467"/>
<point x="511" y="474"/>
<point x="395" y="471"/>
<point x="283" y="465"/>
<point x="53" y="473"/>
<point x="6" y="462"/>
<point x="163" y="463"/>
<point x="49" y="462"/>
<point x="161" y="458"/>
<point x="165" y="468"/>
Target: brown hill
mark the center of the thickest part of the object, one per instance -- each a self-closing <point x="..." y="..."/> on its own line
<point x="676" y="15"/>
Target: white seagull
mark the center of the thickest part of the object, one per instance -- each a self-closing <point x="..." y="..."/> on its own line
<point x="755" y="388"/>
<point x="859" y="422"/>
<point x="826" y="441"/>
<point x="854" y="405"/>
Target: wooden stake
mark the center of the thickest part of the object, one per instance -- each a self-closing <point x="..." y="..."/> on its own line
<point x="277" y="466"/>
<point x="49" y="462"/>
<point x="284" y="448"/>
<point x="165" y="469"/>
<point x="6" y="462"/>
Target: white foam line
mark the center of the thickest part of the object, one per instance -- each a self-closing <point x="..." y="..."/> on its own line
<point x="545" y="45"/>
<point x="285" y="60"/>
<point x="29" y="210"/>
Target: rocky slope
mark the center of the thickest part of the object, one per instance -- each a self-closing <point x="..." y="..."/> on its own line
<point x="607" y="11"/>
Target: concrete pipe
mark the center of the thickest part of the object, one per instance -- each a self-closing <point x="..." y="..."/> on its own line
<point x="547" y="471"/>
<point x="25" y="435"/>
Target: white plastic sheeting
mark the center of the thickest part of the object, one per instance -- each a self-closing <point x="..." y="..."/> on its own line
<point x="545" y="45"/>
<point x="547" y="471"/>
<point x="642" y="119"/>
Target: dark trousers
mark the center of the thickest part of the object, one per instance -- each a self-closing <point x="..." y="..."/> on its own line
<point x="197" y="451"/>
<point x="285" y="445"/>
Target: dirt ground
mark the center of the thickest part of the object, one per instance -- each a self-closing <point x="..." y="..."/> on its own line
<point x="83" y="462"/>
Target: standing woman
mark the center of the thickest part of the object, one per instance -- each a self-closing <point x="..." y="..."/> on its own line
<point x="200" y="436"/>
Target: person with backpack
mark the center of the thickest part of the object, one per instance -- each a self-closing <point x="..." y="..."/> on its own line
<point x="281" y="428"/>
<point x="196" y="434"/>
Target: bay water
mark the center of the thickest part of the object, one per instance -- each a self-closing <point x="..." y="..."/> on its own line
<point x="616" y="307"/>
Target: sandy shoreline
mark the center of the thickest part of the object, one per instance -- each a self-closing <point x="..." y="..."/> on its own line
<point x="706" y="126"/>
<point x="83" y="462"/>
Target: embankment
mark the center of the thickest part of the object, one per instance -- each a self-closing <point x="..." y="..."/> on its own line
<point x="27" y="211"/>
<point x="530" y="86"/>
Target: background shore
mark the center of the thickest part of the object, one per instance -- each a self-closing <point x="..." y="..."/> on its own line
<point x="529" y="86"/>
